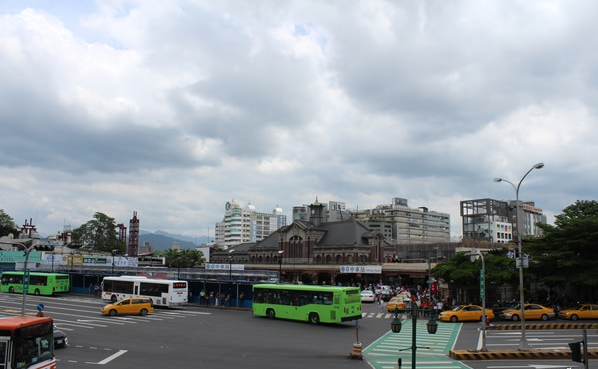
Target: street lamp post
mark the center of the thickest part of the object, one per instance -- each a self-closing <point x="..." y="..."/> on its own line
<point x="430" y="274"/>
<point x="114" y="252"/>
<point x="523" y="344"/>
<point x="230" y="268"/>
<point x="483" y="295"/>
<point x="396" y="324"/>
<point x="280" y="252"/>
<point x="25" y="273"/>
<point x="178" y="265"/>
<point x="230" y="277"/>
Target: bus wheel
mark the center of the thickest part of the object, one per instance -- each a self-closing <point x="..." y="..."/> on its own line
<point x="143" y="312"/>
<point x="113" y="298"/>
<point x="112" y="312"/>
<point x="270" y="313"/>
<point x="11" y="290"/>
<point x="314" y="318"/>
<point x="36" y="292"/>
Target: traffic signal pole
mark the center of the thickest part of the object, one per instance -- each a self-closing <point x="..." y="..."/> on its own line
<point x="576" y="354"/>
<point x="585" y="349"/>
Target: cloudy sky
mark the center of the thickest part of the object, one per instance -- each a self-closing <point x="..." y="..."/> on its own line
<point x="171" y="108"/>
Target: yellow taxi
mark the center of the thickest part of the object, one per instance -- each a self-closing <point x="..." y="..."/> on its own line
<point x="397" y="302"/>
<point x="130" y="305"/>
<point x="531" y="311"/>
<point x="463" y="313"/>
<point x="584" y="311"/>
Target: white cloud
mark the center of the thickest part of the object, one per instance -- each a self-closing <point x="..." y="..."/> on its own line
<point x="173" y="108"/>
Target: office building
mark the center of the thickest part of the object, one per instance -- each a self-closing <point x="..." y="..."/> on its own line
<point x="496" y="220"/>
<point x="246" y="224"/>
<point x="402" y="225"/>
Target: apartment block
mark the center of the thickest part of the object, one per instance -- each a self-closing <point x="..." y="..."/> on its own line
<point x="402" y="225"/>
<point x="246" y="224"/>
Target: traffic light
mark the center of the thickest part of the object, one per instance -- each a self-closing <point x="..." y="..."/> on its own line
<point x="576" y="351"/>
<point x="43" y="248"/>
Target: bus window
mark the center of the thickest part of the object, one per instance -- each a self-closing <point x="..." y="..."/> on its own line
<point x="2" y="354"/>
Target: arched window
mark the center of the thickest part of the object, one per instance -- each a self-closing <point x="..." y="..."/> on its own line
<point x="339" y="259"/>
<point x="349" y="259"/>
<point x="318" y="259"/>
<point x="328" y="259"/>
<point x="296" y="247"/>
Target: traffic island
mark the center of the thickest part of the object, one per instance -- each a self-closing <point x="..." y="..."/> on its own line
<point x="515" y="326"/>
<point x="516" y="354"/>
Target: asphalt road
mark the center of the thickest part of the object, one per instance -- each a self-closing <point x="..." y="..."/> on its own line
<point x="197" y="337"/>
<point x="227" y="338"/>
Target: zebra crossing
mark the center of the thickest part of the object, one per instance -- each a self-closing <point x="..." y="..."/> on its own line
<point x="431" y="353"/>
<point x="377" y="315"/>
<point x="72" y="312"/>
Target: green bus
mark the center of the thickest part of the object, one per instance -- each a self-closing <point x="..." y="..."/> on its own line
<point x="314" y="304"/>
<point x="39" y="283"/>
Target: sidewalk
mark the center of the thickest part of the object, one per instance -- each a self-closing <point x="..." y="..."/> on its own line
<point x="547" y="354"/>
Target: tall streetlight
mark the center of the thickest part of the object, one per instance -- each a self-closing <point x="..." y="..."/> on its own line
<point x="25" y="271"/>
<point x="395" y="326"/>
<point x="230" y="266"/>
<point x="473" y="257"/>
<point x="429" y="261"/>
<point x="114" y="253"/>
<point x="280" y="252"/>
<point x="27" y="250"/>
<point x="523" y="345"/>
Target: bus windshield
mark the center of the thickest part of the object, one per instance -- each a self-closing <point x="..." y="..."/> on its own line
<point x="32" y="342"/>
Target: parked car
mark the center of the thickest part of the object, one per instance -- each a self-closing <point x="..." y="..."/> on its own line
<point x="531" y="311"/>
<point x="131" y="305"/>
<point x="367" y="296"/>
<point x="462" y="313"/>
<point x="60" y="338"/>
<point x="584" y="311"/>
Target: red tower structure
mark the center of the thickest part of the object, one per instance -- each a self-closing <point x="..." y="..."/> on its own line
<point x="122" y="232"/>
<point x="133" y="235"/>
<point x="28" y="228"/>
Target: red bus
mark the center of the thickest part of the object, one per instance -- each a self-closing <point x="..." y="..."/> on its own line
<point x="27" y="343"/>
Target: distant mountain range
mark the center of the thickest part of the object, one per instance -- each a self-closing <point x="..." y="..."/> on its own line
<point x="161" y="240"/>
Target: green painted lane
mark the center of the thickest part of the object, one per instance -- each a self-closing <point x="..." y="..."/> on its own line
<point x="432" y="351"/>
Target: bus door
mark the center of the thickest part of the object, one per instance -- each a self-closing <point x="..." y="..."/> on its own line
<point x="136" y="290"/>
<point x="288" y="304"/>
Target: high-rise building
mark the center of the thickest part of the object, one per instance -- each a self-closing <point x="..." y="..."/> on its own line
<point x="496" y="220"/>
<point x="402" y="225"/>
<point x="246" y="224"/>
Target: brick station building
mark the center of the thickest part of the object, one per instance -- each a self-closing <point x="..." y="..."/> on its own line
<point x="319" y="252"/>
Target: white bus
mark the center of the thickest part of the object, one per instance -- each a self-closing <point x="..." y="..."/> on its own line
<point x="163" y="292"/>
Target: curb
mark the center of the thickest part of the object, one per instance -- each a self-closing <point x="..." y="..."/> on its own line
<point x="516" y="354"/>
<point x="514" y="326"/>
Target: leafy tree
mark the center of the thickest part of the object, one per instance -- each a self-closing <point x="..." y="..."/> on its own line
<point x="99" y="234"/>
<point x="568" y="251"/>
<point x="186" y="258"/>
<point x="463" y="272"/>
<point x="7" y="224"/>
